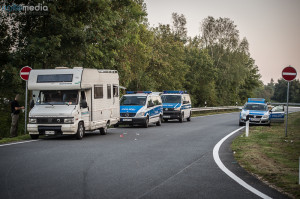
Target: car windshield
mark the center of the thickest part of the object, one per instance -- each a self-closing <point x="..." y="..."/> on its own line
<point x="133" y="100"/>
<point x="171" y="98"/>
<point x="258" y="107"/>
<point x="58" y="97"/>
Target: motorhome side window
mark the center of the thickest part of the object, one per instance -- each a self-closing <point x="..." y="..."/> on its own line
<point x="98" y="91"/>
<point x="115" y="91"/>
<point x="108" y="91"/>
<point x="55" y="78"/>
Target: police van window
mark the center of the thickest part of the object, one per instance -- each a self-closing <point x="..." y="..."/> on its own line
<point x="115" y="91"/>
<point x="108" y="91"/>
<point x="133" y="100"/>
<point x="98" y="91"/>
<point x="260" y="107"/>
<point x="171" y="98"/>
<point x="150" y="101"/>
<point x="156" y="101"/>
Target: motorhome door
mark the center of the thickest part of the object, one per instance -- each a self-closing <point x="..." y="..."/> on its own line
<point x="84" y="109"/>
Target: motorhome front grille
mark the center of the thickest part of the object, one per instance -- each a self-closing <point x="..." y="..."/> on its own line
<point x="50" y="120"/>
<point x="127" y="114"/>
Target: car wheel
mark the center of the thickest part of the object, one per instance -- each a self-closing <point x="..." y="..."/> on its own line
<point x="159" y="121"/>
<point x="80" y="131"/>
<point x="103" y="130"/>
<point x="189" y="118"/>
<point x="146" y="123"/>
<point x="34" y="137"/>
<point x="181" y="118"/>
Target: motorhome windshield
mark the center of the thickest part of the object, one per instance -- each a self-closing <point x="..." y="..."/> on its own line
<point x="258" y="107"/>
<point x="171" y="98"/>
<point x="58" y="97"/>
<point x="133" y="100"/>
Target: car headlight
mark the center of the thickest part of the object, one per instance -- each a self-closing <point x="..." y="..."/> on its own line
<point x="243" y="115"/>
<point x="265" y="116"/>
<point x="32" y="120"/>
<point x="69" y="120"/>
<point x="177" y="109"/>
<point x="140" y="114"/>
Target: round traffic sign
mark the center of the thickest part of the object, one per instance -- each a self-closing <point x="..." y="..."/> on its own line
<point x="24" y="72"/>
<point x="289" y="73"/>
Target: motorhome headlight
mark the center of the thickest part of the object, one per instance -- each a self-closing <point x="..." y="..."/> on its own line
<point x="32" y="120"/>
<point x="177" y="109"/>
<point x="69" y="120"/>
<point x="140" y="114"/>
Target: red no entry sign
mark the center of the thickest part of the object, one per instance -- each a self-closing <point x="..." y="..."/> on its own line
<point x="24" y="72"/>
<point x="289" y="73"/>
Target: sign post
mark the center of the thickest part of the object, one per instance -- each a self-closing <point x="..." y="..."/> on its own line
<point x="24" y="74"/>
<point x="289" y="74"/>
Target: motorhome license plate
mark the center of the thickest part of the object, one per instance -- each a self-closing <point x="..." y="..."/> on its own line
<point x="49" y="132"/>
<point x="127" y="120"/>
<point x="166" y="116"/>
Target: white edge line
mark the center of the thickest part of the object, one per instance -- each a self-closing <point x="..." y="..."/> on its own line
<point x="17" y="143"/>
<point x="229" y="173"/>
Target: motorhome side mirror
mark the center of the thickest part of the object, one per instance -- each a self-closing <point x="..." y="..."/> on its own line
<point x="83" y="104"/>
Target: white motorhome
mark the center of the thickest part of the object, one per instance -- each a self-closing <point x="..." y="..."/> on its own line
<point x="71" y="101"/>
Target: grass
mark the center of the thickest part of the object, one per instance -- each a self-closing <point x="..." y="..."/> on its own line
<point x="271" y="156"/>
<point x="15" y="139"/>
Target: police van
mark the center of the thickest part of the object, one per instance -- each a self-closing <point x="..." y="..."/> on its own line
<point x="176" y="105"/>
<point x="257" y="111"/>
<point x="141" y="108"/>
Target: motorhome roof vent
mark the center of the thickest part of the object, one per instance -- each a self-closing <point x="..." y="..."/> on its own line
<point x="61" y="67"/>
<point x="107" y="71"/>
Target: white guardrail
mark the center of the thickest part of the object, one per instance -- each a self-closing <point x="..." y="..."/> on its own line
<point x="219" y="108"/>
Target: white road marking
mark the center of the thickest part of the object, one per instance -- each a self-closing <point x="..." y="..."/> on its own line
<point x="229" y="173"/>
<point x="18" y="143"/>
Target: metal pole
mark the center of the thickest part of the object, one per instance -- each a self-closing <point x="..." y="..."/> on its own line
<point x="287" y="109"/>
<point x="26" y="96"/>
<point x="299" y="170"/>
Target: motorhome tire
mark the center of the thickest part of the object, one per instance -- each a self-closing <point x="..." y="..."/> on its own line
<point x="103" y="130"/>
<point x="158" y="123"/>
<point x="80" y="131"/>
<point x="34" y="137"/>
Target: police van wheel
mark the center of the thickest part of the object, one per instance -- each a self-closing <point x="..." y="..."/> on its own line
<point x="166" y="120"/>
<point x="241" y="124"/>
<point x="189" y="118"/>
<point x="103" y="130"/>
<point x="80" y="131"/>
<point x="158" y="123"/>
<point x="181" y="118"/>
<point x="146" y="123"/>
<point x="34" y="137"/>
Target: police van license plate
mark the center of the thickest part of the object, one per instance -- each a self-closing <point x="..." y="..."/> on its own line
<point x="255" y="119"/>
<point x="166" y="116"/>
<point x="127" y="120"/>
<point x="49" y="132"/>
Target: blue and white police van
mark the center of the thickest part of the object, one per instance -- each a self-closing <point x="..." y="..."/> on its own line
<point x="257" y="111"/>
<point x="176" y="105"/>
<point x="141" y="108"/>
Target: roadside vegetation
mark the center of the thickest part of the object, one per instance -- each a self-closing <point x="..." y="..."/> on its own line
<point x="271" y="156"/>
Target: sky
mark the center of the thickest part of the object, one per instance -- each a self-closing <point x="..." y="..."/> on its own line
<point x="272" y="27"/>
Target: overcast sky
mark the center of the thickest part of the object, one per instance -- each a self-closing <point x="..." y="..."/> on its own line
<point x="272" y="27"/>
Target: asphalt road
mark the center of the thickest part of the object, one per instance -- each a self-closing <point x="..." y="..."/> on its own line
<point x="171" y="161"/>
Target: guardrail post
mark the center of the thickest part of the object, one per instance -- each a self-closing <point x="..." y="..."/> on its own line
<point x="205" y="104"/>
<point x="247" y="126"/>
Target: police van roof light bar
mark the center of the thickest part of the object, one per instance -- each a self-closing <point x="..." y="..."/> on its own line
<point x="257" y="100"/>
<point x="175" y="92"/>
<point x="135" y="92"/>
